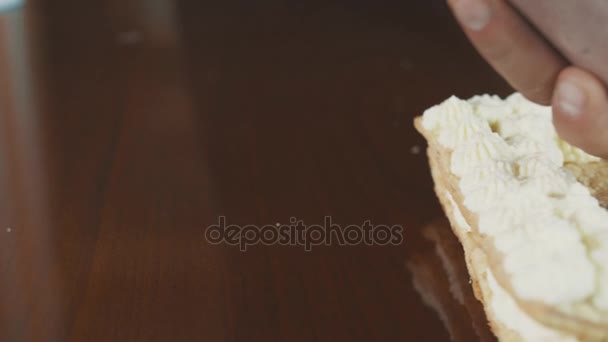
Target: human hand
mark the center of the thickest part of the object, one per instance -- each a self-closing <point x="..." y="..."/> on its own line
<point x="520" y="55"/>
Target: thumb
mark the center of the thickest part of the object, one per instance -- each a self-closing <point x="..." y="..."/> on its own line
<point x="580" y="111"/>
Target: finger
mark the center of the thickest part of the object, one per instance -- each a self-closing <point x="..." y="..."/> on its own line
<point x="511" y="46"/>
<point x="580" y="111"/>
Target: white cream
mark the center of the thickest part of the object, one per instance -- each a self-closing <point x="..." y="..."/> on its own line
<point x="463" y="131"/>
<point x="524" y="146"/>
<point x="507" y="312"/>
<point x="490" y="107"/>
<point x="460" y="220"/>
<point x="485" y="173"/>
<point x="514" y="179"/>
<point x="503" y="307"/>
<point x="447" y="114"/>
<point x="480" y="148"/>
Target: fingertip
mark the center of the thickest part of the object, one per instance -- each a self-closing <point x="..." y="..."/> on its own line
<point x="473" y="15"/>
<point x="580" y="111"/>
<point x="571" y="99"/>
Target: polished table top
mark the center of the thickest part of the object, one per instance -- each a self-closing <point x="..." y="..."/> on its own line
<point x="128" y="128"/>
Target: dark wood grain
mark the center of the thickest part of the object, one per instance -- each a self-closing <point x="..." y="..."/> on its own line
<point x="129" y="127"/>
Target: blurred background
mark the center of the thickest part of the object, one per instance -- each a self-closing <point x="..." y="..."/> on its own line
<point x="127" y="127"/>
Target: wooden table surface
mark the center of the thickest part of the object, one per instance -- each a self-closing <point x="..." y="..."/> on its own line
<point x="129" y="127"/>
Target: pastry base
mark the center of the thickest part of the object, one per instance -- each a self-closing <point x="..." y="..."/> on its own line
<point x="592" y="175"/>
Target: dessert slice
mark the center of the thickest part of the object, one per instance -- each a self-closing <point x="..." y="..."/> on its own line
<point x="527" y="208"/>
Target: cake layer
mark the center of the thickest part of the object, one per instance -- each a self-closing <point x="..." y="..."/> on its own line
<point x="523" y="196"/>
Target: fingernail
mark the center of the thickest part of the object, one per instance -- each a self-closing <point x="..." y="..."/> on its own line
<point x="474" y="14"/>
<point x="570" y="99"/>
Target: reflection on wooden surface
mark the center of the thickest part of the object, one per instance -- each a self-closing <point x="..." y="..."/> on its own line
<point x="441" y="278"/>
<point x="31" y="278"/>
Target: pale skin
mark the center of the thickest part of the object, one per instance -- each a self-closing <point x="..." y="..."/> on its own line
<point x="532" y="67"/>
